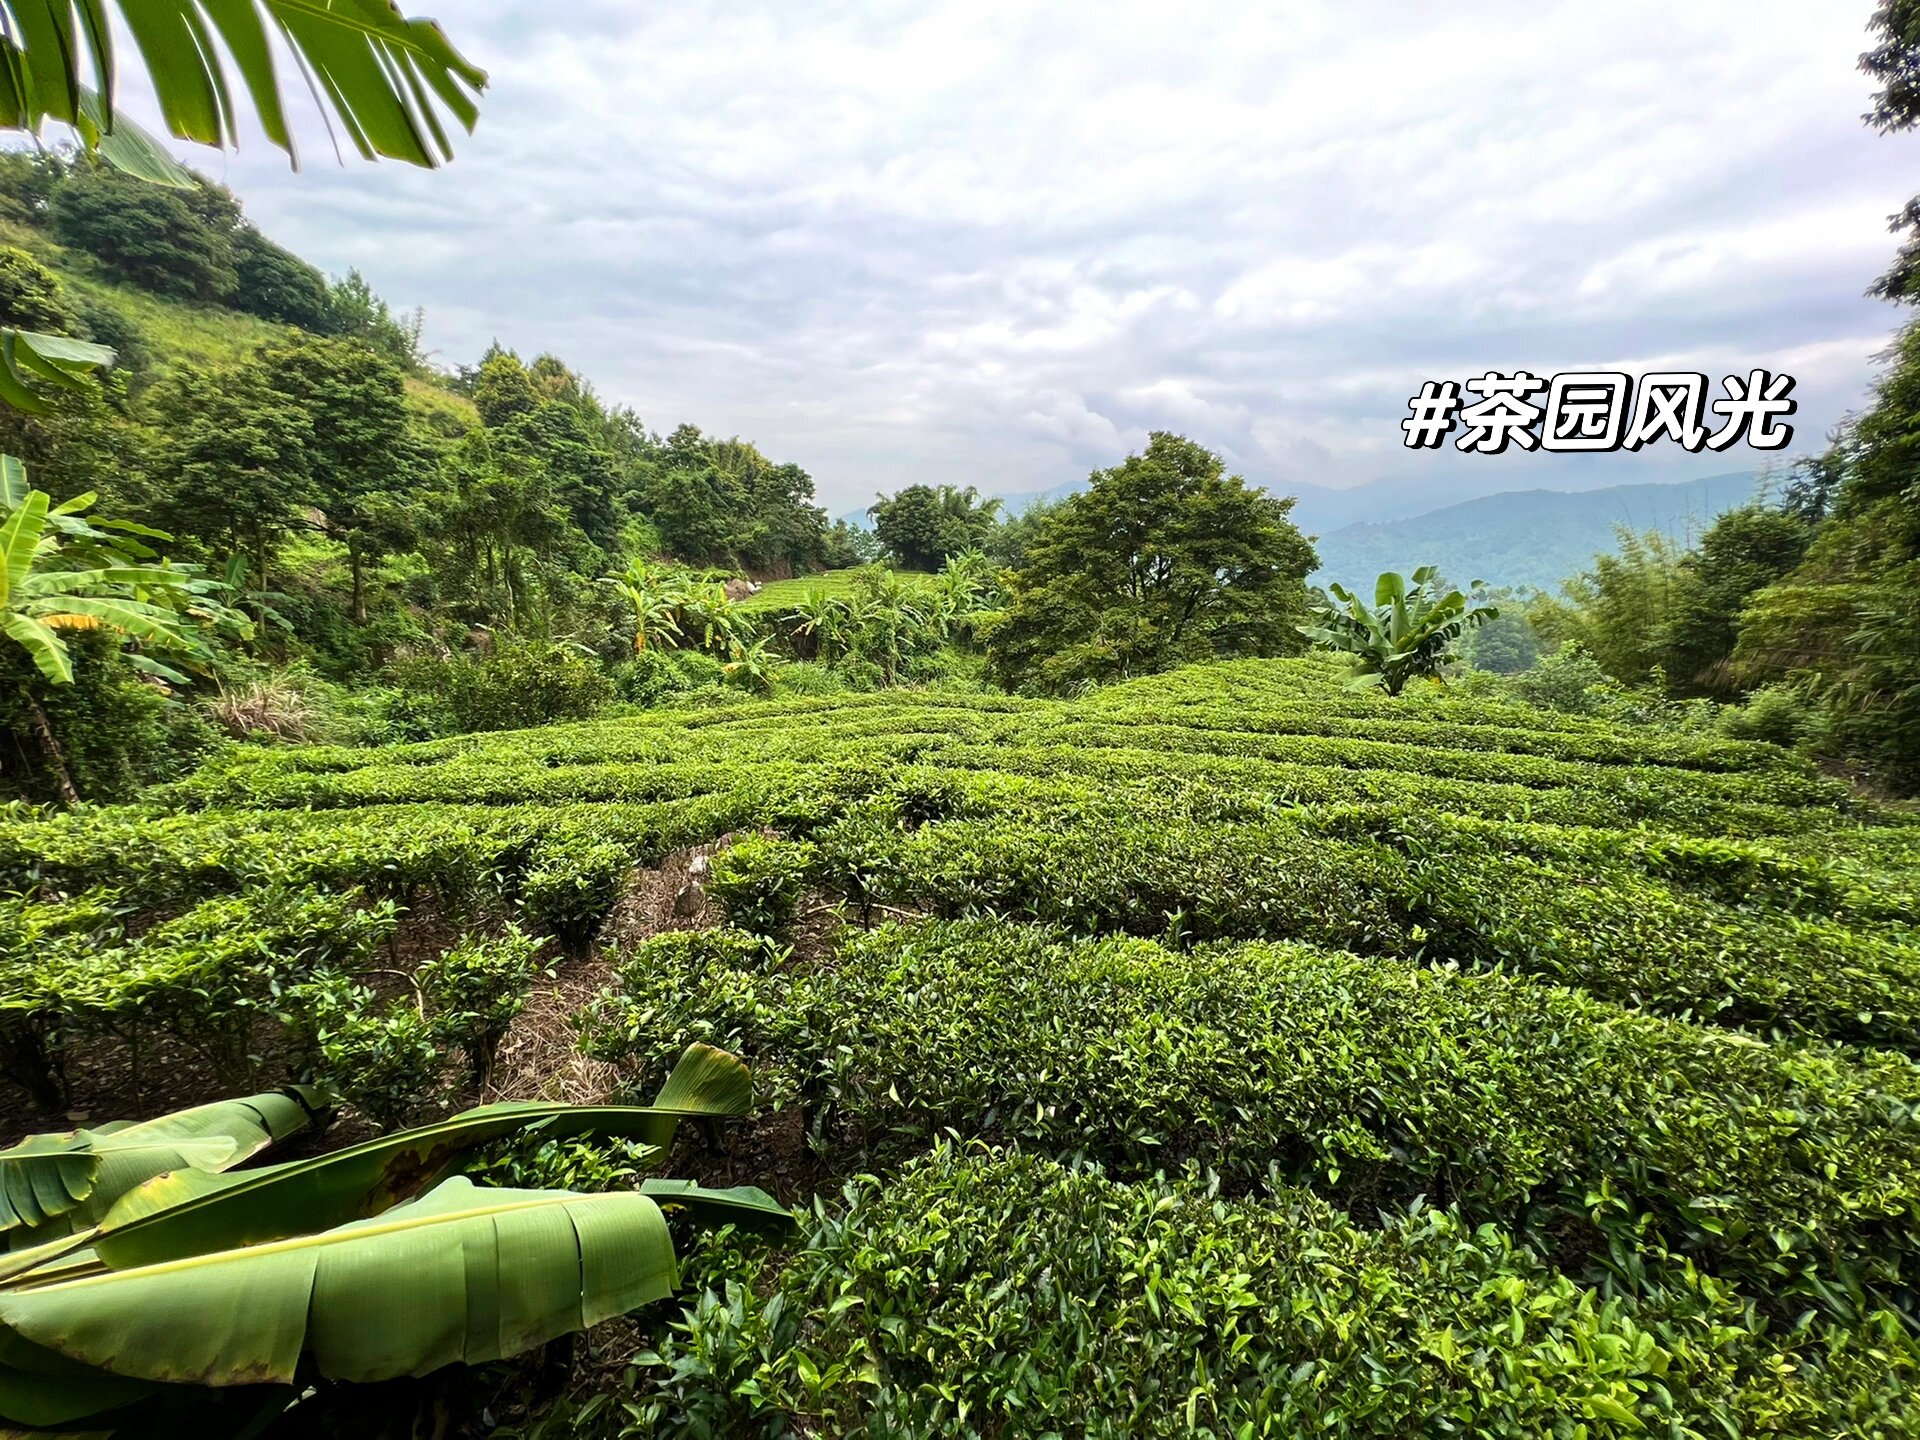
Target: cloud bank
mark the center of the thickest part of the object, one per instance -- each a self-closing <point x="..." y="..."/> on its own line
<point x="995" y="244"/>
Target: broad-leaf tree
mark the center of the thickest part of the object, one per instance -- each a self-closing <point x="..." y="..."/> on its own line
<point x="1166" y="559"/>
<point x="61" y="571"/>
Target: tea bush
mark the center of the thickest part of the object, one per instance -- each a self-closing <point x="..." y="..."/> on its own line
<point x="1621" y="1139"/>
<point x="983" y="1292"/>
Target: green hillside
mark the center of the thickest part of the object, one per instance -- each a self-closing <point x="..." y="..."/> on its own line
<point x="177" y="332"/>
<point x="1347" y="1053"/>
<point x="777" y="596"/>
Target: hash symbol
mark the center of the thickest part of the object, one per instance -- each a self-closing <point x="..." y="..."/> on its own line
<point x="1431" y="414"/>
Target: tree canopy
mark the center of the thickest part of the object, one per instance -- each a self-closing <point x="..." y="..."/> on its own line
<point x="1165" y="559"/>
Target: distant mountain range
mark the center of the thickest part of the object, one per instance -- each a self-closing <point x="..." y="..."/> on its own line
<point x="1523" y="537"/>
<point x="1534" y="538"/>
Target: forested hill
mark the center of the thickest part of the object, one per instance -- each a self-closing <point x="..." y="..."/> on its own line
<point x="288" y="431"/>
<point x="1528" y="537"/>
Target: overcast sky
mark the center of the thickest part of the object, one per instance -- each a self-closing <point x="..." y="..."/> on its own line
<point x="997" y="244"/>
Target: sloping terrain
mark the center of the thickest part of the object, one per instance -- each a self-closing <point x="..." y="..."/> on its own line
<point x="1223" y="1053"/>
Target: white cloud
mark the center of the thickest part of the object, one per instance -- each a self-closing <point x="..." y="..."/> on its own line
<point x="995" y="243"/>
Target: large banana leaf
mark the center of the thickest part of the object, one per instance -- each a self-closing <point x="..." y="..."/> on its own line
<point x="60" y="362"/>
<point x="747" y="1206"/>
<point x="384" y="79"/>
<point x="53" y="1185"/>
<point x="193" y="1213"/>
<point x="462" y="1275"/>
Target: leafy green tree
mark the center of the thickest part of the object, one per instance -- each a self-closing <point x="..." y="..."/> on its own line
<point x="1166" y="559"/>
<point x="235" y="469"/>
<point x="30" y="295"/>
<point x="176" y="242"/>
<point x="355" y="312"/>
<point x="581" y="472"/>
<point x="921" y="526"/>
<point x="503" y="390"/>
<point x="1895" y="62"/>
<point x="1505" y="645"/>
<point x="846" y="546"/>
<point x="688" y="500"/>
<point x="362" y="457"/>
<point x="1407" y="634"/>
<point x="1842" y="624"/>
<point x="276" y="284"/>
<point x="1741" y="552"/>
<point x="1621" y="610"/>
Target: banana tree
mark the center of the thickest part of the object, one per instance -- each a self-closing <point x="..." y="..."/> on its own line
<point x="655" y="595"/>
<point x="751" y="667"/>
<point x="818" y="625"/>
<point x="62" y="572"/>
<point x="367" y="1264"/>
<point x="1407" y="634"/>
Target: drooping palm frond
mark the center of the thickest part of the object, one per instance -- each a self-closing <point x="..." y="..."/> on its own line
<point x="393" y="85"/>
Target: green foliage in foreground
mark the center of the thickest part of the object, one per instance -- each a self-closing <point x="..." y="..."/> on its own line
<point x="992" y="1293"/>
<point x="1640" y="998"/>
<point x="1614" y="1140"/>
<point x="360" y="1265"/>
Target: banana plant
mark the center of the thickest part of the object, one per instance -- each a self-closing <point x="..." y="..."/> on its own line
<point x="1407" y="634"/>
<point x="655" y="596"/>
<point x="818" y="625"/>
<point x="62" y="569"/>
<point x="371" y="1263"/>
<point x="752" y="667"/>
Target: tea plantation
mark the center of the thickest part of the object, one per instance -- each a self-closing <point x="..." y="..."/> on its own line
<point x="1225" y="1053"/>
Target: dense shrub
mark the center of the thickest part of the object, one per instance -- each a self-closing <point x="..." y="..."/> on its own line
<point x="989" y="1293"/>
<point x="757" y="881"/>
<point x="516" y="686"/>
<point x="114" y="731"/>
<point x="377" y="1055"/>
<point x="1586" y="1126"/>
<point x="476" y="990"/>
<point x="570" y="887"/>
<point x="173" y="242"/>
<point x="1778" y="714"/>
<point x="202" y="979"/>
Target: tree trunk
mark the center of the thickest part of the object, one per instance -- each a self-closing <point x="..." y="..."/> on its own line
<point x="50" y="750"/>
<point x="358" y="562"/>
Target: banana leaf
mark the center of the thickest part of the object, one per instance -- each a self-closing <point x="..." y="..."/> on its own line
<point x="54" y="1184"/>
<point x="463" y="1275"/>
<point x="184" y="1213"/>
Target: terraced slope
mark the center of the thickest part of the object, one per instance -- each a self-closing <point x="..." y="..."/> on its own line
<point x="1637" y="1013"/>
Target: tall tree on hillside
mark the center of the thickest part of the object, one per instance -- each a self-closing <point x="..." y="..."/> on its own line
<point x="554" y="434"/>
<point x="921" y="525"/>
<point x="503" y="390"/>
<point x="235" y="467"/>
<point x="1894" y="61"/>
<point x="1166" y="559"/>
<point x="361" y="451"/>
